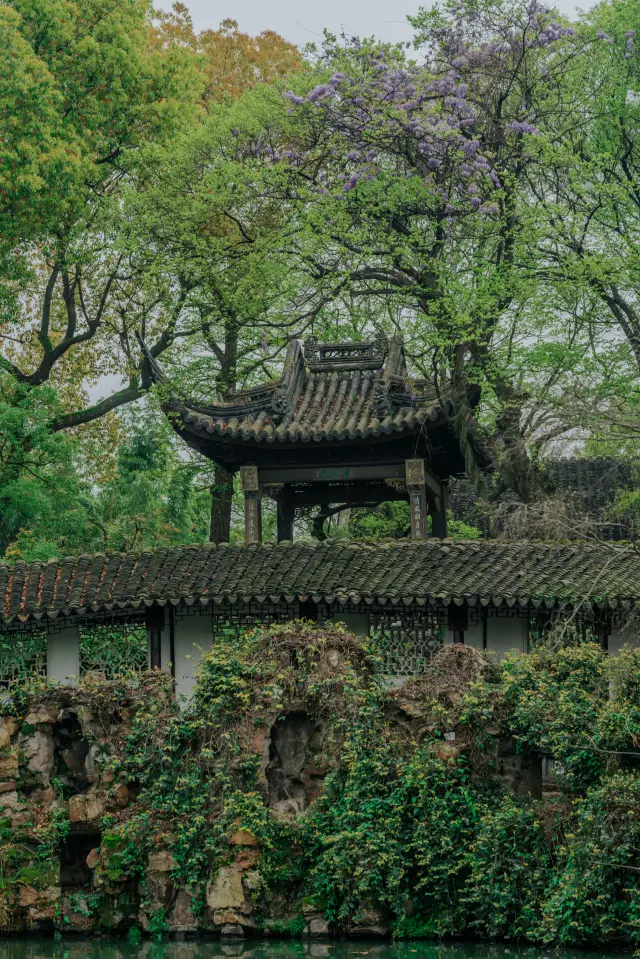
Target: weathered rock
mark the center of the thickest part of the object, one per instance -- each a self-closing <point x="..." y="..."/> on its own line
<point x="43" y="713"/>
<point x="181" y="918"/>
<point x="5" y="738"/>
<point x="93" y="858"/>
<point x="247" y="858"/>
<point x="119" y="796"/>
<point x="85" y="807"/>
<point x="233" y="917"/>
<point x="318" y="927"/>
<point x="9" y="766"/>
<point x="232" y="932"/>
<point x="9" y="786"/>
<point x="251" y="880"/>
<point x="38" y="752"/>
<point x="447" y="752"/>
<point x="10" y="725"/>
<point x="372" y="923"/>
<point x="225" y="891"/>
<point x="21" y="818"/>
<point x="161" y="861"/>
<point x="40" y="903"/>
<point x="42" y="795"/>
<point x="10" y="800"/>
<point x="243" y="837"/>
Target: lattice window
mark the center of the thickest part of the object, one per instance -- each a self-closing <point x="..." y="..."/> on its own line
<point x="114" y="648"/>
<point x="23" y="656"/>
<point x="408" y="641"/>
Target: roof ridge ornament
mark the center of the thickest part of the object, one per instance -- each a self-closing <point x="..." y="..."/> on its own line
<point x="346" y="354"/>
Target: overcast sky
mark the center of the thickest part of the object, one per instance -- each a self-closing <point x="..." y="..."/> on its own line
<point x="301" y="21"/>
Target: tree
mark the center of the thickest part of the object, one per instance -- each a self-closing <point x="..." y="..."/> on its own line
<point x="89" y="93"/>
<point x="428" y="207"/>
<point x="233" y="61"/>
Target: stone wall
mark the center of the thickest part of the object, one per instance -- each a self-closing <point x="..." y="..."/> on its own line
<point x="64" y="794"/>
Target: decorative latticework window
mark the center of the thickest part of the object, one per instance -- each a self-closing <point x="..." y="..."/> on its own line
<point x="23" y="656"/>
<point x="114" y="648"/>
<point x="407" y="641"/>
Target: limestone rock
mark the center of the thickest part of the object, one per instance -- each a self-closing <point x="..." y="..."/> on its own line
<point x="44" y="713"/>
<point x="243" y="837"/>
<point x="9" y="766"/>
<point x="161" y="861"/>
<point x="40" y="903"/>
<point x="181" y="918"/>
<point x="38" y="752"/>
<point x="9" y="786"/>
<point x="251" y="880"/>
<point x="225" y="891"/>
<point x="9" y="724"/>
<point x="372" y="923"/>
<point x="85" y="807"/>
<point x="119" y="796"/>
<point x="10" y="800"/>
<point x="93" y="858"/>
<point x="247" y="857"/>
<point x="5" y="737"/>
<point x="21" y="818"/>
<point x="318" y="927"/>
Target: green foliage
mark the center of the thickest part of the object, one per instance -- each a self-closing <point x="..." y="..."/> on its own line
<point x="408" y="831"/>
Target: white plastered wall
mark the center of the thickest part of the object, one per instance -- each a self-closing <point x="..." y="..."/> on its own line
<point x="473" y="636"/>
<point x="617" y="640"/>
<point x="63" y="654"/>
<point x="192" y="634"/>
<point x="507" y="634"/>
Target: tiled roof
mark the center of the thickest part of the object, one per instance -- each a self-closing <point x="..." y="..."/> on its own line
<point x="343" y="391"/>
<point x="397" y="572"/>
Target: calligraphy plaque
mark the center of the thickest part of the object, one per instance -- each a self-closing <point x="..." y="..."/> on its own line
<point x="252" y="518"/>
<point x="249" y="479"/>
<point x="414" y="471"/>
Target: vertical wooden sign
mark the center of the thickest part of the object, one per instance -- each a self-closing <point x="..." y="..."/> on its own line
<point x="414" y="472"/>
<point x="249" y="481"/>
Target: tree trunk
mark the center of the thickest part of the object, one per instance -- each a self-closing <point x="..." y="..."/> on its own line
<point x="221" y="499"/>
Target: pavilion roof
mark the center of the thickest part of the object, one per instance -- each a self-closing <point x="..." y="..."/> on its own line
<point x="327" y="392"/>
<point x="399" y="572"/>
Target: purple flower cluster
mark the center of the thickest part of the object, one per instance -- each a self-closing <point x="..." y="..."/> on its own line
<point x="522" y="126"/>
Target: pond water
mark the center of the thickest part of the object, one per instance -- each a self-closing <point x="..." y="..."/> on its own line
<point x="100" y="949"/>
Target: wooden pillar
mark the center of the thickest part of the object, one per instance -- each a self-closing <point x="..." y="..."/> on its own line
<point x="249" y="481"/>
<point x="439" y="515"/>
<point x="458" y="622"/>
<point x="285" y="516"/>
<point x="414" y="472"/>
<point x="154" y="617"/>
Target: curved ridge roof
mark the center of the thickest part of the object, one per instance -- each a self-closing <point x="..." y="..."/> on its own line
<point x="327" y="392"/>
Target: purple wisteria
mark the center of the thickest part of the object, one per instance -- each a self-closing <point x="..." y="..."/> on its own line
<point x="428" y="121"/>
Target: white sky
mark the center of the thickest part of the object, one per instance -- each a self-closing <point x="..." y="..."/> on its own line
<point x="302" y="21"/>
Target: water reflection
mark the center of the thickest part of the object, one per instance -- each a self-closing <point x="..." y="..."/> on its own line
<point x="92" y="949"/>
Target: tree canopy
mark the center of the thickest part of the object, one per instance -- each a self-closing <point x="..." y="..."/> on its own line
<point x="218" y="193"/>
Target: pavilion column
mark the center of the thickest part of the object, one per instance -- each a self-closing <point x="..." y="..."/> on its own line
<point x="415" y="480"/>
<point x="285" y="516"/>
<point x="250" y="483"/>
<point x="439" y="515"/>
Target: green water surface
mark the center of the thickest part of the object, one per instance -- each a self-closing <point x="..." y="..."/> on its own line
<point x="100" y="949"/>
